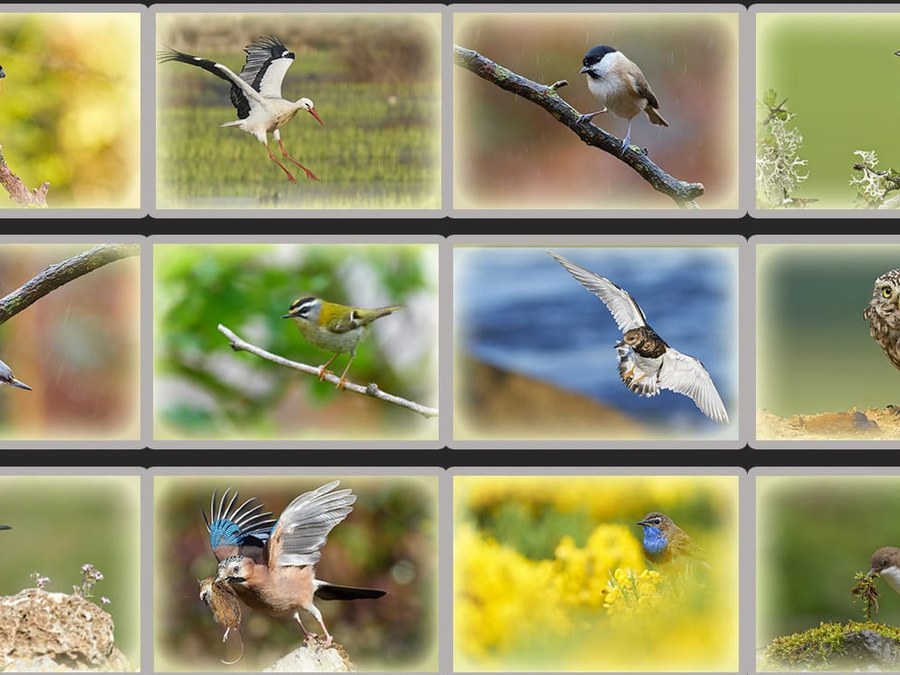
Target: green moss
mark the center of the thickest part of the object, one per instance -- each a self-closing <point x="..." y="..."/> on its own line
<point x="819" y="648"/>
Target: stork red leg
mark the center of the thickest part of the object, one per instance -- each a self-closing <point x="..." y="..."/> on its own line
<point x="283" y="167"/>
<point x="309" y="174"/>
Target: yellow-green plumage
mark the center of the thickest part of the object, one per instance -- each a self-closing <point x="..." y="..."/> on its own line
<point x="333" y="327"/>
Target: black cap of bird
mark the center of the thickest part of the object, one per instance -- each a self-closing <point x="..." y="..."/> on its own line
<point x="334" y="328"/>
<point x="620" y="86"/>
<point x="256" y="92"/>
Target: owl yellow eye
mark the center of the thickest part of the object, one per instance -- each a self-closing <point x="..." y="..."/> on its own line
<point x="886" y="292"/>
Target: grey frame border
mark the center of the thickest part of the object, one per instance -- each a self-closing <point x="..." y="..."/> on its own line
<point x="443" y="280"/>
<point x="745" y="511"/>
<point x="750" y="360"/>
<point x="149" y="110"/>
<point x="745" y="384"/>
<point x="142" y="209"/>
<point x="749" y="544"/>
<point x="144" y="341"/>
<point x="444" y="541"/>
<point x="749" y="103"/>
<point x="744" y="178"/>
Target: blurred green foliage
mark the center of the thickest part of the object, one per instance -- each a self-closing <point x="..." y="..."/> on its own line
<point x="814" y="352"/>
<point x="69" y="106"/>
<point x="842" y="80"/>
<point x="373" y="79"/>
<point x="205" y="389"/>
<point x="389" y="541"/>
<point x="813" y="534"/>
<point x="62" y="522"/>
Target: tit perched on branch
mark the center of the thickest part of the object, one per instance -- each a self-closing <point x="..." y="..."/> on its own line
<point x="620" y="86"/>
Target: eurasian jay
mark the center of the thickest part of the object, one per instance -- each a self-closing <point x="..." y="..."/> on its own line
<point x="273" y="568"/>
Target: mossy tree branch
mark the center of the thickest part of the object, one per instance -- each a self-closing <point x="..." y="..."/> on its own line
<point x="239" y="345"/>
<point x="681" y="192"/>
<point x="62" y="273"/>
<point x="18" y="191"/>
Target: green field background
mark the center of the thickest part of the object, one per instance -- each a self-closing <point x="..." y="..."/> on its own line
<point x="813" y="534"/>
<point x="374" y="80"/>
<point x="841" y="79"/>
<point x="62" y="522"/>
<point x="814" y="353"/>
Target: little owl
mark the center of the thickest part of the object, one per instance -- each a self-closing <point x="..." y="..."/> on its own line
<point x="883" y="314"/>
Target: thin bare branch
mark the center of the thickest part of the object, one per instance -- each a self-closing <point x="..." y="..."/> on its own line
<point x="18" y="192"/>
<point x="62" y="273"/>
<point x="681" y="192"/>
<point x="239" y="345"/>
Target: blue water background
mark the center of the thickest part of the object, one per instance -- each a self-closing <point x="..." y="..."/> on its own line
<point x="519" y="309"/>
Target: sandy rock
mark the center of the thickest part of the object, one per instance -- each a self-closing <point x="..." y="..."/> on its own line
<point x="54" y="632"/>
<point x="870" y="424"/>
<point x="494" y="401"/>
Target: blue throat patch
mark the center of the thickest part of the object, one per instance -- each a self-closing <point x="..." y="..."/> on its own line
<point x="655" y="542"/>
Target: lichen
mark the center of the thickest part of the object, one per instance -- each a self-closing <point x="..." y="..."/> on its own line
<point x="819" y="648"/>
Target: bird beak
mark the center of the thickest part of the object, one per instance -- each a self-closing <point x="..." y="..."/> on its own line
<point x="584" y="69"/>
<point x="897" y="53"/>
<point x="287" y="316"/>
<point x="20" y="385"/>
<point x="312" y="111"/>
<point x="5" y="527"/>
<point x="641" y="522"/>
<point x="872" y="573"/>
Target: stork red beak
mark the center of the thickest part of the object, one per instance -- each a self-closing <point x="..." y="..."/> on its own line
<point x="312" y="111"/>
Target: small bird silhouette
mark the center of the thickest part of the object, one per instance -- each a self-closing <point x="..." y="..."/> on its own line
<point x="280" y="578"/>
<point x="6" y="377"/>
<point x="225" y="606"/>
<point x="665" y="542"/>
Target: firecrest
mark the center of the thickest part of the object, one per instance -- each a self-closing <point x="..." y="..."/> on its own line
<point x="334" y="328"/>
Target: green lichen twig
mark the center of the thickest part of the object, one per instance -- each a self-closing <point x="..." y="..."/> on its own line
<point x="681" y="192"/>
<point x="865" y="589"/>
<point x="62" y="273"/>
<point x="19" y="193"/>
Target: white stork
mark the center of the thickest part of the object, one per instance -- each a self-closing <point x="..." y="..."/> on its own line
<point x="256" y="93"/>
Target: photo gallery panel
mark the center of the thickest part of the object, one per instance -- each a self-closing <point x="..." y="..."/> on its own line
<point x="438" y="338"/>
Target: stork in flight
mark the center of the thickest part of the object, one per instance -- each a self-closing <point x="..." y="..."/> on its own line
<point x="256" y="92"/>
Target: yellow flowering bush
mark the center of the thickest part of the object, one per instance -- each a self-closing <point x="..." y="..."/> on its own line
<point x="583" y="607"/>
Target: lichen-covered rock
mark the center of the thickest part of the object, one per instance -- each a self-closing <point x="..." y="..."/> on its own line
<point x="835" y="646"/>
<point x="46" y="632"/>
<point x="313" y="659"/>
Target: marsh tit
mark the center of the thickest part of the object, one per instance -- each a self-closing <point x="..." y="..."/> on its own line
<point x="620" y="86"/>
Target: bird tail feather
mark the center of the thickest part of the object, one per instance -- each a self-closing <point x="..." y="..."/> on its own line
<point x="655" y="117"/>
<point x="326" y="591"/>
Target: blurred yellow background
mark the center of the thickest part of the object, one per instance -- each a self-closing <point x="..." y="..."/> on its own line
<point x="70" y="106"/>
<point x="549" y="575"/>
